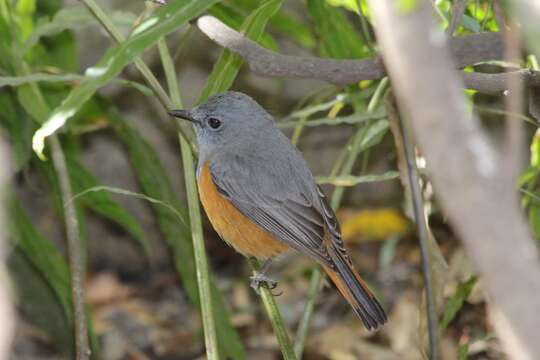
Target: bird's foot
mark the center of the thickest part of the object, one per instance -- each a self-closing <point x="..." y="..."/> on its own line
<point x="261" y="280"/>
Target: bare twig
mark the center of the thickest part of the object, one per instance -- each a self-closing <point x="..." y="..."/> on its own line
<point x="499" y="83"/>
<point x="413" y="185"/>
<point x="466" y="50"/>
<point x="465" y="169"/>
<point x="6" y="308"/>
<point x="513" y="105"/>
<point x="75" y="252"/>
<point x="457" y="13"/>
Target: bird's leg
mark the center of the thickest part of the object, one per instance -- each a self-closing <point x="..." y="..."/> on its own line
<point x="261" y="279"/>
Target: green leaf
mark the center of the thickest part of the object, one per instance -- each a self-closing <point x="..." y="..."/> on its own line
<point x="233" y="18"/>
<point x="156" y="184"/>
<point x="50" y="264"/>
<point x="407" y="6"/>
<point x="455" y="303"/>
<point x="162" y="22"/>
<point x="39" y="304"/>
<point x="349" y="180"/>
<point x="228" y="64"/>
<point x="54" y="78"/>
<point x="101" y="202"/>
<point x="19" y="126"/>
<point x="43" y="255"/>
<point x="337" y="36"/>
<point x="284" y="23"/>
<point x="470" y="23"/>
<point x="374" y="134"/>
<point x="73" y="18"/>
<point x="353" y="119"/>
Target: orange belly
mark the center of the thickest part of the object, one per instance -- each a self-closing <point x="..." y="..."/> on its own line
<point x="237" y="230"/>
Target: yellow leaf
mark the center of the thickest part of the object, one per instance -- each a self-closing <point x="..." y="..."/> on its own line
<point x="374" y="224"/>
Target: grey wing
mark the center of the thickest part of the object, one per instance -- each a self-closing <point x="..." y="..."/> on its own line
<point x="281" y="198"/>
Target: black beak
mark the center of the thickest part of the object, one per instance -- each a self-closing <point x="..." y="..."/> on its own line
<point x="182" y="114"/>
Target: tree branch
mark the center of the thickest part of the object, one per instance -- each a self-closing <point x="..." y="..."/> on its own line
<point x="467" y="50"/>
<point x="6" y="307"/>
<point x="466" y="170"/>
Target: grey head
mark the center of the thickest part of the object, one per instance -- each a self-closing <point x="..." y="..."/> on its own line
<point x="229" y="121"/>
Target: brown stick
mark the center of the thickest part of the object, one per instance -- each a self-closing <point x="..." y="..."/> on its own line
<point x="466" y="51"/>
<point x="6" y="307"/>
<point x="465" y="169"/>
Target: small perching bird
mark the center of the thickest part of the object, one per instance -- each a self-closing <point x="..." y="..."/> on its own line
<point x="261" y="198"/>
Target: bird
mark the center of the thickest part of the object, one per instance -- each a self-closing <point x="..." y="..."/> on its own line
<point x="262" y="199"/>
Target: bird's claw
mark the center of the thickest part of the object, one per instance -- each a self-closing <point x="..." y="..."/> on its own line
<point x="259" y="280"/>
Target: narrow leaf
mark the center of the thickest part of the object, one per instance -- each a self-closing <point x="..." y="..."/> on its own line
<point x="349" y="180"/>
<point x="228" y="64"/>
<point x="72" y="18"/>
<point x="162" y="22"/>
<point x="337" y="36"/>
<point x="44" y="77"/>
<point x="43" y="255"/>
<point x="101" y="202"/>
<point x="455" y="303"/>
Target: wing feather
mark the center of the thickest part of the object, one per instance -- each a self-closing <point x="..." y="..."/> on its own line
<point x="282" y="205"/>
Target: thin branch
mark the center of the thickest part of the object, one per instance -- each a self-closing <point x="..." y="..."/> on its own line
<point x="467" y="50"/>
<point x="74" y="248"/>
<point x="514" y="105"/>
<point x="6" y="306"/>
<point x="457" y="13"/>
<point x="499" y="83"/>
<point x="413" y="183"/>
<point x="465" y="168"/>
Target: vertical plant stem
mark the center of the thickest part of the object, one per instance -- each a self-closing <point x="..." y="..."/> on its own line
<point x="201" y="262"/>
<point x="75" y="255"/>
<point x="76" y="266"/>
<point x="313" y="291"/>
<point x="317" y="274"/>
<point x="418" y="209"/>
<point x="275" y="317"/>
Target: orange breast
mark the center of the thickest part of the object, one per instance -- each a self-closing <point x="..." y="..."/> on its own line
<point x="237" y="230"/>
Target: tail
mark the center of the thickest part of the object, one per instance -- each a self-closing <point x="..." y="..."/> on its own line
<point x="355" y="291"/>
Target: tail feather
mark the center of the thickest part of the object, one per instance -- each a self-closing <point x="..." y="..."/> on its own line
<point x="355" y="290"/>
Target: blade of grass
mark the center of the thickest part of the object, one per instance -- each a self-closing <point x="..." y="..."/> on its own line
<point x="102" y="203"/>
<point x="201" y="262"/>
<point x="228" y="64"/>
<point x="349" y="180"/>
<point x="343" y="120"/>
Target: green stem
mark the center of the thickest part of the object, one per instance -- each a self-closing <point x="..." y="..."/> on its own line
<point x="275" y="317"/>
<point x="201" y="262"/>
<point x="75" y="250"/>
<point x="82" y="347"/>
<point x="313" y="291"/>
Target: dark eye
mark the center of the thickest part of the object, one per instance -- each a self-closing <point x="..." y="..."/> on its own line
<point x="214" y="123"/>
